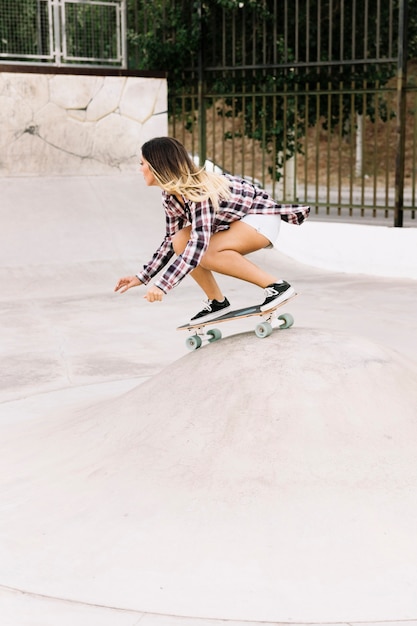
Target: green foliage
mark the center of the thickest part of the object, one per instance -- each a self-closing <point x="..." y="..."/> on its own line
<point x="164" y="36"/>
<point x="274" y="60"/>
<point x="91" y="31"/>
<point x="18" y="28"/>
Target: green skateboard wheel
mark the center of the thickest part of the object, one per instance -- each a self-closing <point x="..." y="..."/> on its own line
<point x="214" y="334"/>
<point x="288" y="320"/>
<point x="263" y="330"/>
<point x="194" y="342"/>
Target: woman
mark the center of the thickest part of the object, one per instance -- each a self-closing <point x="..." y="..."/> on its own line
<point x="212" y="222"/>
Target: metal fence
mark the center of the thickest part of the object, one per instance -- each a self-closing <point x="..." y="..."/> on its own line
<point x="315" y="99"/>
<point x="75" y="32"/>
<point x="308" y="97"/>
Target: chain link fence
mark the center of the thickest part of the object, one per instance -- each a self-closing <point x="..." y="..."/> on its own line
<point x="60" y="32"/>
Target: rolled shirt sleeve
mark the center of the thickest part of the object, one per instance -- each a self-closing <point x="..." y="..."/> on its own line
<point x="201" y="218"/>
<point x="200" y="215"/>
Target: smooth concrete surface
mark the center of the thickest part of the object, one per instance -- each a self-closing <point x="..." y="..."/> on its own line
<point x="353" y="248"/>
<point x="233" y="504"/>
<point x="144" y="484"/>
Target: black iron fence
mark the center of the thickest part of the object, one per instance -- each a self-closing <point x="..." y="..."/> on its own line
<point x="315" y="99"/>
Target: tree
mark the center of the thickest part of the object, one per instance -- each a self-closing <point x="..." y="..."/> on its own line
<point x="323" y="60"/>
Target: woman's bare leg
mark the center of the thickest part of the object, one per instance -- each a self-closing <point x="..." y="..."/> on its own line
<point x="203" y="277"/>
<point x="226" y="255"/>
<point x="227" y="250"/>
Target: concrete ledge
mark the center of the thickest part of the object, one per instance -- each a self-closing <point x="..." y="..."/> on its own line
<point x="352" y="248"/>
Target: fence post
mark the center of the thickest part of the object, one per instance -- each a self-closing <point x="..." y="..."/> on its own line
<point x="202" y="135"/>
<point x="122" y="33"/>
<point x="401" y="112"/>
<point x="58" y="15"/>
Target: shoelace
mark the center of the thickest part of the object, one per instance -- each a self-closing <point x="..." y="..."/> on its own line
<point x="207" y="305"/>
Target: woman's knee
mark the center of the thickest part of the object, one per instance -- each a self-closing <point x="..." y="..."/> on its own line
<point x="205" y="262"/>
<point x="180" y="239"/>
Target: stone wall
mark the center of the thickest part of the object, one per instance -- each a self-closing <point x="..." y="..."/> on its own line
<point x="67" y="124"/>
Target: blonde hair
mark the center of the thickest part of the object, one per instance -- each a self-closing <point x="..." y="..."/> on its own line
<point x="177" y="174"/>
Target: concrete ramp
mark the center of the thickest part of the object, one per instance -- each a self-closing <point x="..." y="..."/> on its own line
<point x="259" y="480"/>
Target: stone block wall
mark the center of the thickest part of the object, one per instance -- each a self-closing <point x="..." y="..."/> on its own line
<point x="70" y="124"/>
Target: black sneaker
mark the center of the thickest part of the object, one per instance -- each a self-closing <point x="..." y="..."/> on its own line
<point x="275" y="294"/>
<point x="212" y="309"/>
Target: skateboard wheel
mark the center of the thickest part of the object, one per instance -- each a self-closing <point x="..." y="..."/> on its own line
<point x="193" y="342"/>
<point x="215" y="334"/>
<point x="288" y="320"/>
<point x="263" y="330"/>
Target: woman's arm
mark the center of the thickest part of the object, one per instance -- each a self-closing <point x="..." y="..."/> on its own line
<point x="174" y="221"/>
<point x="201" y="217"/>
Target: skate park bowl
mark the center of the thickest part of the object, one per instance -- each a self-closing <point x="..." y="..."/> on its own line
<point x="259" y="480"/>
<point x="252" y="481"/>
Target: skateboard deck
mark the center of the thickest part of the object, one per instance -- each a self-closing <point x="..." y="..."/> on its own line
<point x="263" y="329"/>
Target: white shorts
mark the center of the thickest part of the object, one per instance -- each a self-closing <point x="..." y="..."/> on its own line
<point x="266" y="225"/>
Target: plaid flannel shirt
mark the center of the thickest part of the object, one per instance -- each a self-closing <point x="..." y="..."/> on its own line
<point x="204" y="220"/>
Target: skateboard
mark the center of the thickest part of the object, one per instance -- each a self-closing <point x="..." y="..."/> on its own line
<point x="262" y="329"/>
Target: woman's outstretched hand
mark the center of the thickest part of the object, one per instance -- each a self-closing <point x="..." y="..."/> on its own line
<point x="127" y="283"/>
<point x="154" y="294"/>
